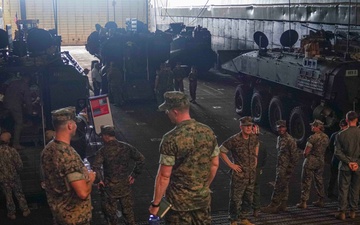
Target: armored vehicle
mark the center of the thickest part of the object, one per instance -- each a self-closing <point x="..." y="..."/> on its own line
<point x="137" y="54"/>
<point x="297" y="85"/>
<point x="56" y="81"/>
<point x="189" y="46"/>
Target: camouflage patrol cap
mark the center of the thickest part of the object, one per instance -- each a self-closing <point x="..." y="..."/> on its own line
<point x="107" y="130"/>
<point x="174" y="100"/>
<point x="281" y="123"/>
<point x="65" y="114"/>
<point x="246" y="121"/>
<point x="317" y="123"/>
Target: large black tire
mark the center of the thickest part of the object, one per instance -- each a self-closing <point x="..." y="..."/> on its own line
<point x="276" y="112"/>
<point x="259" y="107"/>
<point x="242" y="100"/>
<point x="299" y="126"/>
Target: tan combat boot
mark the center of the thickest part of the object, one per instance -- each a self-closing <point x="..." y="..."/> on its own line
<point x="319" y="203"/>
<point x="302" y="205"/>
<point x="352" y="214"/>
<point x="283" y="206"/>
<point x="26" y="212"/>
<point x="256" y="212"/>
<point x="271" y="208"/>
<point x="245" y="222"/>
<point x="233" y="223"/>
<point x="340" y="216"/>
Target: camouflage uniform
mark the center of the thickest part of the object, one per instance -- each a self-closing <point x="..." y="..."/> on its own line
<point x="115" y="80"/>
<point x="115" y="157"/>
<point x="191" y="160"/>
<point x="170" y="81"/>
<point x="262" y="157"/>
<point x="193" y="84"/>
<point x="286" y="161"/>
<point x="17" y="94"/>
<point x="179" y="74"/>
<point x="61" y="165"/>
<point x="162" y="84"/>
<point x="242" y="184"/>
<point x="10" y="165"/>
<point x="314" y="163"/>
<point x="189" y="149"/>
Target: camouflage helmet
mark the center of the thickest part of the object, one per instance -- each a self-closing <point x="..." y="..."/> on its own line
<point x="246" y="121"/>
<point x="107" y="130"/>
<point x="317" y="123"/>
<point x="64" y="114"/>
<point x="174" y="100"/>
<point x="281" y="123"/>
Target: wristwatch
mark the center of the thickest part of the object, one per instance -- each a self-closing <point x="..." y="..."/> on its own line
<point x="153" y="205"/>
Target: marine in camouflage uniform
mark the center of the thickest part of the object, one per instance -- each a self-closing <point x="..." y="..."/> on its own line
<point x="193" y="76"/>
<point x="116" y="82"/>
<point x="16" y="96"/>
<point x="170" y="75"/>
<point x="161" y="84"/>
<point x="10" y="166"/>
<point x="179" y="74"/>
<point x="261" y="161"/>
<point x="244" y="149"/>
<point x="286" y="161"/>
<point x="64" y="174"/>
<point x="115" y="157"/>
<point x="313" y="165"/>
<point x="347" y="150"/>
<point x="189" y="157"/>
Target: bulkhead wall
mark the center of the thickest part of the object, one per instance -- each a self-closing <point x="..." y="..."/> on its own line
<point x="232" y="24"/>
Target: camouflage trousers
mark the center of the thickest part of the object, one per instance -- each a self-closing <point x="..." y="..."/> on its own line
<point x="256" y="195"/>
<point x="241" y="196"/>
<point x="192" y="89"/>
<point x="15" y="187"/>
<point x="281" y="188"/>
<point x="309" y="172"/>
<point x="117" y="93"/>
<point x="109" y="206"/>
<point x="194" y="217"/>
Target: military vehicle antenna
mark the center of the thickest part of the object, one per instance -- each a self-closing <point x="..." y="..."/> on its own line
<point x="347" y="55"/>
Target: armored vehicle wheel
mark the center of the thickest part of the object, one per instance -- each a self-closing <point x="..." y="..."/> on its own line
<point x="299" y="126"/>
<point x="259" y="107"/>
<point x="276" y="112"/>
<point x="242" y="100"/>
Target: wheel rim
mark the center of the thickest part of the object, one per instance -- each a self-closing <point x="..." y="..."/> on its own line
<point x="257" y="110"/>
<point x="275" y="115"/>
<point x="239" y="103"/>
<point x="298" y="127"/>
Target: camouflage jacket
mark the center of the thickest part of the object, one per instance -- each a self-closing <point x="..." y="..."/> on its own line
<point x="163" y="79"/>
<point x="318" y="142"/>
<point x="243" y="152"/>
<point x="189" y="148"/>
<point x="10" y="163"/>
<point x="287" y="151"/>
<point x="58" y="160"/>
<point x="115" y="157"/>
<point x="193" y="77"/>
